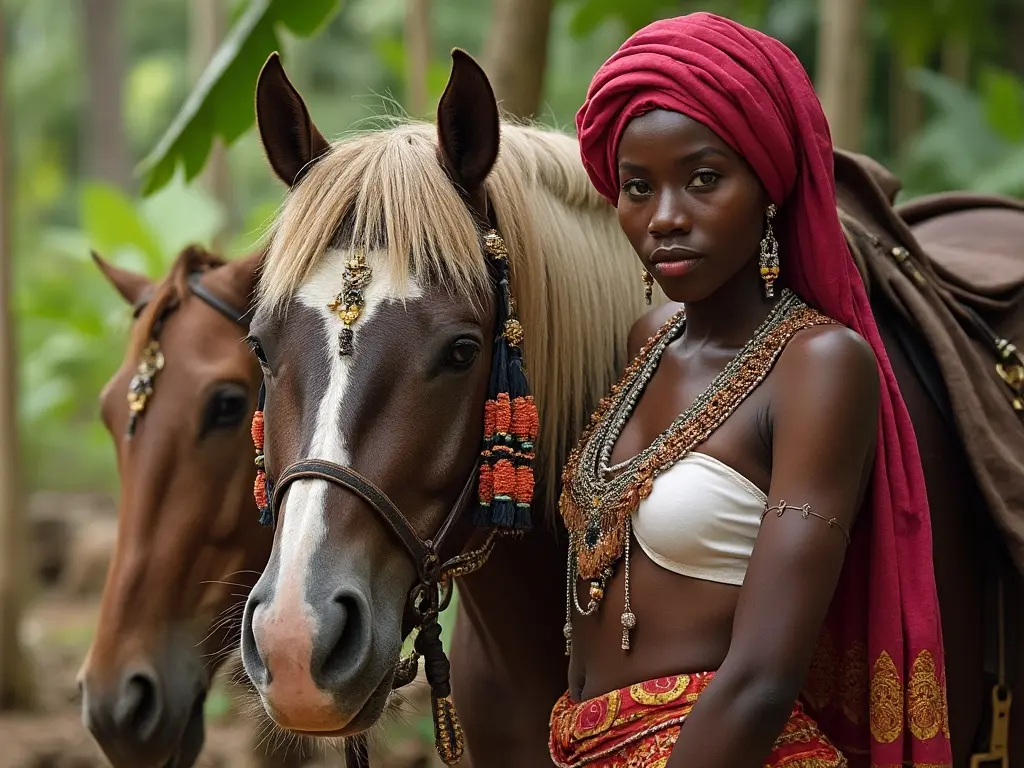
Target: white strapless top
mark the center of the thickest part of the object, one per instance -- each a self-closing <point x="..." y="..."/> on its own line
<point x="701" y="520"/>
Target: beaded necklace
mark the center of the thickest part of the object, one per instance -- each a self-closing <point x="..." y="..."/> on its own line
<point x="598" y="499"/>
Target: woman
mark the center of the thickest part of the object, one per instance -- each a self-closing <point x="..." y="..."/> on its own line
<point x="747" y="513"/>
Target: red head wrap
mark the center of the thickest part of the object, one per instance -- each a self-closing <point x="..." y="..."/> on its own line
<point x="878" y="678"/>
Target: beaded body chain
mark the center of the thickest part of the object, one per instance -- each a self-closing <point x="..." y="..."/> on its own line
<point x="598" y="499"/>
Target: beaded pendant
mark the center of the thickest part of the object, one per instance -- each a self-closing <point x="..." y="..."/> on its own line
<point x="349" y="302"/>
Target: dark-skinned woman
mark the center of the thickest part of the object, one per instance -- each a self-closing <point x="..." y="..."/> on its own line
<point x="750" y="573"/>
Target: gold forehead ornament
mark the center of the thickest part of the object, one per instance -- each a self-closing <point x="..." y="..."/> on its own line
<point x="349" y="303"/>
<point x="140" y="388"/>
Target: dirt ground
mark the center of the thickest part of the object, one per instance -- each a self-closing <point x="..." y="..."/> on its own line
<point x="57" y="632"/>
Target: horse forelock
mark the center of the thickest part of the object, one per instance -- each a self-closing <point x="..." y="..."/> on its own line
<point x="385" y="193"/>
<point x="173" y="289"/>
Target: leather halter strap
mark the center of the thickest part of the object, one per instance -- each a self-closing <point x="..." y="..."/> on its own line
<point x="197" y="289"/>
<point x="424" y="552"/>
<point x="195" y="284"/>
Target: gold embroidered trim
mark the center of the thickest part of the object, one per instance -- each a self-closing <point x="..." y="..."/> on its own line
<point x="641" y="694"/>
<point x="925" y="698"/>
<point x="843" y="682"/>
<point x="853" y="686"/>
<point x="886" y="700"/>
<point x="638" y="736"/>
<point x="612" y="702"/>
<point x="823" y="673"/>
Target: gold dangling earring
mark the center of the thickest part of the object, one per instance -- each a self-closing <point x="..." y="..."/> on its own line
<point x="770" y="255"/>
<point x="648" y="285"/>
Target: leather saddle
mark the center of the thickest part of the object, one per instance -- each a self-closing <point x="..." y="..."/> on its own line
<point x="947" y="273"/>
<point x="950" y="267"/>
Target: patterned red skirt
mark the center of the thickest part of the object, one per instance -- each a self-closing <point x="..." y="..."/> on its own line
<point x="637" y="726"/>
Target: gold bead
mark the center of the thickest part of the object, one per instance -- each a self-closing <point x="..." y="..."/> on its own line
<point x="514" y="332"/>
<point x="349" y="314"/>
<point x="595" y="591"/>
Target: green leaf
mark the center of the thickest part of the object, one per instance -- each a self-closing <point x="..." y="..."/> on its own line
<point x="111" y="221"/>
<point x="1006" y="178"/>
<point x="1002" y="95"/>
<point x="180" y="215"/>
<point x="221" y="104"/>
<point x="957" y="141"/>
<point x="590" y="15"/>
<point x="916" y="27"/>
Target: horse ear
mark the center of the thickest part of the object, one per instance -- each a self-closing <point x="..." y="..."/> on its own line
<point x="468" y="127"/>
<point x="131" y="285"/>
<point x="290" y="139"/>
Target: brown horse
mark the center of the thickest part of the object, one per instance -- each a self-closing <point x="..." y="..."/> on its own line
<point x="324" y="624"/>
<point x="188" y="546"/>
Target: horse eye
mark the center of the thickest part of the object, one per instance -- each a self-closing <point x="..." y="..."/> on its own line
<point x="462" y="353"/>
<point x="257" y="349"/>
<point x="226" y="409"/>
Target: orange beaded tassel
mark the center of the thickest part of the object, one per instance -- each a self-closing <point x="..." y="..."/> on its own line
<point x="260" y="492"/>
<point x="506" y="482"/>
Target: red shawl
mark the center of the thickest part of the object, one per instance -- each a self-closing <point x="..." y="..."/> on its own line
<point x="877" y="681"/>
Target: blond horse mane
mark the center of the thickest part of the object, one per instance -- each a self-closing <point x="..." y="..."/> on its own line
<point x="575" y="278"/>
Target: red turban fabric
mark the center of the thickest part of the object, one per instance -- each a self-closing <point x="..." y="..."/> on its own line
<point x="877" y="681"/>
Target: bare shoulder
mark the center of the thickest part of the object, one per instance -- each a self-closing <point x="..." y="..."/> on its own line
<point x="828" y="352"/>
<point x="829" y="373"/>
<point x="648" y="324"/>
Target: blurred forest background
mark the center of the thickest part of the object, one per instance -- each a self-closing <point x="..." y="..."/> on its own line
<point x="91" y="85"/>
<point x="934" y="89"/>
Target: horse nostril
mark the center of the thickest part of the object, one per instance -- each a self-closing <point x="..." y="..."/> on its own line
<point x="343" y="643"/>
<point x="138" y="708"/>
<point x="252" y="659"/>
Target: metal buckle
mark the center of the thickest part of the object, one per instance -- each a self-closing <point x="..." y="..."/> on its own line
<point x="999" y="737"/>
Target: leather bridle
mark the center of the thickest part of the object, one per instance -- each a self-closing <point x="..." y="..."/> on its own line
<point x="151" y="360"/>
<point x="197" y="289"/>
<point x="425" y="553"/>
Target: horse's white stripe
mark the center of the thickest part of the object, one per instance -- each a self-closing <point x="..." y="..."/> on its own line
<point x="304" y="527"/>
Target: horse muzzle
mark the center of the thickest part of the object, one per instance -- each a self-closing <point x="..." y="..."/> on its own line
<point x="146" y="719"/>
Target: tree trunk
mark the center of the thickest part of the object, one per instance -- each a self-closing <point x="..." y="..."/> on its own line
<point x="208" y="24"/>
<point x="516" y="53"/>
<point x="1009" y="19"/>
<point x="17" y="690"/>
<point x="417" y="55"/>
<point x="907" y="105"/>
<point x="956" y="59"/>
<point x="843" y="69"/>
<point x="106" y="155"/>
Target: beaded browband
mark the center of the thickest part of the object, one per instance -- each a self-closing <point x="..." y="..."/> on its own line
<point x="503" y="480"/>
<point x="598" y="500"/>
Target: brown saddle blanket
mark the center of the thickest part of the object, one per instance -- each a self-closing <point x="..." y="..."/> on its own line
<point x="953" y="266"/>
